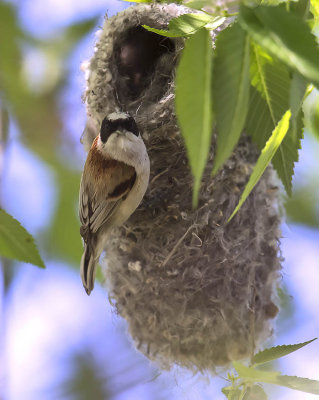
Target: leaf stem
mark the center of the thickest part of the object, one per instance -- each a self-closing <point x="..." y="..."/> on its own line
<point x="227" y="14"/>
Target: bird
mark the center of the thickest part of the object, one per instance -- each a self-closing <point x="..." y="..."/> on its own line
<point x="113" y="183"/>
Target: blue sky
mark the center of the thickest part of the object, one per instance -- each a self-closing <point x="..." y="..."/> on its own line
<point x="48" y="316"/>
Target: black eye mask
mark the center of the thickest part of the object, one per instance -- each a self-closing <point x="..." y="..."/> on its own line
<point x="110" y="126"/>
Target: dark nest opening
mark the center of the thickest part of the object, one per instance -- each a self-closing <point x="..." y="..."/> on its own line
<point x="136" y="54"/>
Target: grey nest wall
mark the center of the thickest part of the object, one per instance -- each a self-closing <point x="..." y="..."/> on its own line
<point x="195" y="291"/>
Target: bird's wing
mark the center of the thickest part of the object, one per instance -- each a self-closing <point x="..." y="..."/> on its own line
<point x="101" y="195"/>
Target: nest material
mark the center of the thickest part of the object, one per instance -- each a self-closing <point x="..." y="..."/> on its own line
<point x="194" y="290"/>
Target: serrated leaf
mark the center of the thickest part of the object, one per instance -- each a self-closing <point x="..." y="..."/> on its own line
<point x="194" y="102"/>
<point x="187" y="24"/>
<point x="297" y="383"/>
<point x="215" y="23"/>
<point x="277" y="352"/>
<point x="297" y="93"/>
<point x="300" y="7"/>
<point x="16" y="243"/>
<point x="287" y="154"/>
<point x="276" y="92"/>
<point x="232" y="393"/>
<point x="254" y="375"/>
<point x="284" y="160"/>
<point x="230" y="89"/>
<point x="265" y="157"/>
<point x="273" y="377"/>
<point x="286" y="36"/>
<point x="314" y="117"/>
<point x="272" y="80"/>
<point x="259" y="123"/>
<point x="255" y="392"/>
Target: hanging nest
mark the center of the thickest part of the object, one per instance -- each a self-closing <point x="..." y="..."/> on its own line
<point x="195" y="291"/>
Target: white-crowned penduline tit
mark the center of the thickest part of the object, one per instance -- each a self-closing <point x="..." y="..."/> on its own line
<point x="114" y="181"/>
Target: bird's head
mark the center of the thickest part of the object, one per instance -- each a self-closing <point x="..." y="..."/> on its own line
<point x="119" y="124"/>
<point x="120" y="139"/>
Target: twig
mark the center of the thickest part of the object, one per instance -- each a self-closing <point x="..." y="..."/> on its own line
<point x="158" y="175"/>
<point x="179" y="242"/>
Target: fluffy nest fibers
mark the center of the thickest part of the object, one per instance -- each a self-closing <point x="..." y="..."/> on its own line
<point x="195" y="291"/>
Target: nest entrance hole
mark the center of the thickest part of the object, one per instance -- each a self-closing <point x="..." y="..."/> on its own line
<point x="136" y="55"/>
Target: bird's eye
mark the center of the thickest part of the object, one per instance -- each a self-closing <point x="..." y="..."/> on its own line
<point x="107" y="128"/>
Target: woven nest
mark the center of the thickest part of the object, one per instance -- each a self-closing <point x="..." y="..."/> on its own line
<point x="195" y="291"/>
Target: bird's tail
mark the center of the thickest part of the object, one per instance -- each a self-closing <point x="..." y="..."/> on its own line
<point x="88" y="266"/>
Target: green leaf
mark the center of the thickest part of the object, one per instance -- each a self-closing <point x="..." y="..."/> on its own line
<point x="4" y="124"/>
<point x="72" y="35"/>
<point x="314" y="117"/>
<point x="11" y="83"/>
<point x="265" y="157"/>
<point x="62" y="45"/>
<point x="16" y="243"/>
<point x="272" y="80"/>
<point x="296" y="383"/>
<point x="287" y="154"/>
<point x="273" y="377"/>
<point x="297" y="93"/>
<point x="255" y="392"/>
<point x="285" y="158"/>
<point x="231" y="392"/>
<point x="286" y="36"/>
<point x="301" y="208"/>
<point x="272" y="94"/>
<point x="300" y="8"/>
<point x="254" y="375"/>
<point x="64" y="239"/>
<point x="215" y="23"/>
<point x="259" y="123"/>
<point x="230" y="89"/>
<point x="194" y="102"/>
<point x="187" y="24"/>
<point x="277" y="352"/>
<point x="197" y="4"/>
